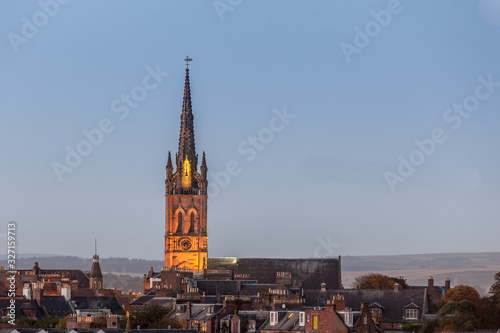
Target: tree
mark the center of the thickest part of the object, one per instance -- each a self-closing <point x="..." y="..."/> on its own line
<point x="101" y="322"/>
<point x="459" y="316"/>
<point x="153" y="316"/>
<point x="487" y="313"/>
<point x="379" y="281"/>
<point x="62" y="323"/>
<point x="495" y="289"/>
<point x="460" y="293"/>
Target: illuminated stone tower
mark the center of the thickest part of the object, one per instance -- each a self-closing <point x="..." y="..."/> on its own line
<point x="186" y="197"/>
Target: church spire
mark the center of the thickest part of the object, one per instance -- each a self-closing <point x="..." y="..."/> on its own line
<point x="186" y="138"/>
<point x="186" y="157"/>
<point x="95" y="276"/>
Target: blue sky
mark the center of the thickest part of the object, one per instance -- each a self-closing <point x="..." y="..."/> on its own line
<point x="321" y="179"/>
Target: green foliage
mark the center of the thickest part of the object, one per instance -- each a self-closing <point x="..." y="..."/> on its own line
<point x="28" y="322"/>
<point x="152" y="316"/>
<point x="495" y="290"/>
<point x="62" y="323"/>
<point x="410" y="327"/>
<point x="459" y="316"/>
<point x="430" y="326"/>
<point x="379" y="281"/>
<point x="488" y="313"/>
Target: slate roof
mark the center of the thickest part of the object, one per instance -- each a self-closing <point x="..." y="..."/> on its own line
<point x="223" y="287"/>
<point x="256" y="288"/>
<point x="203" y="311"/>
<point x="312" y="271"/>
<point x="167" y="302"/>
<point x="199" y="311"/>
<point x="95" y="271"/>
<point x="142" y="300"/>
<point x="259" y="316"/>
<point x="76" y="274"/>
<point x="393" y="302"/>
<point x="21" y="305"/>
<point x="439" y="289"/>
<point x="57" y="305"/>
<point x="99" y="302"/>
<point x="287" y="321"/>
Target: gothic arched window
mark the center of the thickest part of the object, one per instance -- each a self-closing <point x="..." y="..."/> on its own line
<point x="179" y="220"/>
<point x="192" y="222"/>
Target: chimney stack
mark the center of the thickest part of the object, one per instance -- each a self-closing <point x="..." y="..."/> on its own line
<point x="188" y="310"/>
<point x="323" y="286"/>
<point x="430" y="283"/>
<point x="396" y="287"/>
<point x="447" y="284"/>
<point x="339" y="302"/>
<point x="38" y="296"/>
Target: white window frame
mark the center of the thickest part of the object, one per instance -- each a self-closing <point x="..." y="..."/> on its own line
<point x="302" y="318"/>
<point x="411" y="313"/>
<point x="273" y="318"/>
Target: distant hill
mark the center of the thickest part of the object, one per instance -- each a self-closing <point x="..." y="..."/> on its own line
<point x="422" y="261"/>
<point x="349" y="263"/>
<point x="474" y="269"/>
<point x="115" y="265"/>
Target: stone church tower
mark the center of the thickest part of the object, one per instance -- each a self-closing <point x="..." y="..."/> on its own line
<point x="186" y="198"/>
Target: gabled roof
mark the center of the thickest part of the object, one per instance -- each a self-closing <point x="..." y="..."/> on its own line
<point x="57" y="305"/>
<point x="142" y="300"/>
<point x="412" y="305"/>
<point x="199" y="311"/>
<point x="256" y="288"/>
<point x="204" y="311"/>
<point x="99" y="302"/>
<point x="287" y="321"/>
<point x="375" y="305"/>
<point x="167" y="302"/>
<point x="394" y="302"/>
<point x="21" y="306"/>
<point x="214" y="287"/>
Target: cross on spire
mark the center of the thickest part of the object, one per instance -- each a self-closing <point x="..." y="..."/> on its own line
<point x="187" y="60"/>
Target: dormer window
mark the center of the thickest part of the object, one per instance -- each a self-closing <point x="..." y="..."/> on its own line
<point x="411" y="313"/>
<point x="302" y="318"/>
<point x="273" y="318"/>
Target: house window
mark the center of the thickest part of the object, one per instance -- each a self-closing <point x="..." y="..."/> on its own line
<point x="302" y="319"/>
<point x="365" y="320"/>
<point x="315" y="322"/>
<point x="411" y="314"/>
<point x="274" y="318"/>
<point x="375" y="310"/>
